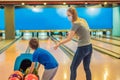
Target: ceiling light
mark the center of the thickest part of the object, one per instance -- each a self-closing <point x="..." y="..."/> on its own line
<point x="45" y="3"/>
<point x="105" y="3"/>
<point x="64" y="3"/>
<point x="22" y="3"/>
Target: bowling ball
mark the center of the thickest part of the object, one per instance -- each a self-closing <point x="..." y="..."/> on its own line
<point x="31" y="77"/>
<point x="34" y="71"/>
<point x="14" y="78"/>
<point x="19" y="73"/>
<point x="16" y="74"/>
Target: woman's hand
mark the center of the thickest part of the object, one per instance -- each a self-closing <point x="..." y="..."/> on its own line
<point x="56" y="46"/>
<point x="69" y="37"/>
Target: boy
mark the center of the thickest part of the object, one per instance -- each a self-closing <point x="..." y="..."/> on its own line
<point x="45" y="58"/>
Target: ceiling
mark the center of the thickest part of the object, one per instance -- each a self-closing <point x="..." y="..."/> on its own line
<point x="59" y="2"/>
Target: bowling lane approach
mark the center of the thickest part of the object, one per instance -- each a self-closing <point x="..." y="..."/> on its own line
<point x="7" y="58"/>
<point x="102" y="66"/>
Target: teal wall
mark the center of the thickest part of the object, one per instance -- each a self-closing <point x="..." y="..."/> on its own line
<point x="116" y="21"/>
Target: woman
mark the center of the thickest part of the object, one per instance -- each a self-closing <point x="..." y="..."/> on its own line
<point x="84" y="49"/>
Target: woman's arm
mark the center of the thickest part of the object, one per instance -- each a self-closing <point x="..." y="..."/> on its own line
<point x="69" y="37"/>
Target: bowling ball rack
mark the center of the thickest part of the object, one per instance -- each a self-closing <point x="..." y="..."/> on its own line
<point x="22" y="62"/>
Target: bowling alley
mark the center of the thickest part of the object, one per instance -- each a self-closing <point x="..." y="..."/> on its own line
<point x="59" y="39"/>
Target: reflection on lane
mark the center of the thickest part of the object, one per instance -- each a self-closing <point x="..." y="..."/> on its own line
<point x="106" y="46"/>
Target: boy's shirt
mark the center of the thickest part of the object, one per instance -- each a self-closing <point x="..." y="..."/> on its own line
<point x="45" y="58"/>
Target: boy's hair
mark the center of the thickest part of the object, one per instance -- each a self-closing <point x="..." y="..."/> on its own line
<point x="34" y="43"/>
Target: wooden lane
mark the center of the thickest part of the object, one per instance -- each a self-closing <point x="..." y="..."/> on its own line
<point x="1" y="39"/>
<point x="8" y="57"/>
<point x="5" y="43"/>
<point x="110" y="41"/>
<point x="117" y="38"/>
<point x="106" y="46"/>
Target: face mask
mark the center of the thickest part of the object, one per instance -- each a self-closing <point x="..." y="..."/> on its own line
<point x="70" y="18"/>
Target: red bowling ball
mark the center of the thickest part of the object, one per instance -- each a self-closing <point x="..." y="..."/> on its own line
<point x="14" y="78"/>
<point x="16" y="75"/>
<point x="31" y="77"/>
